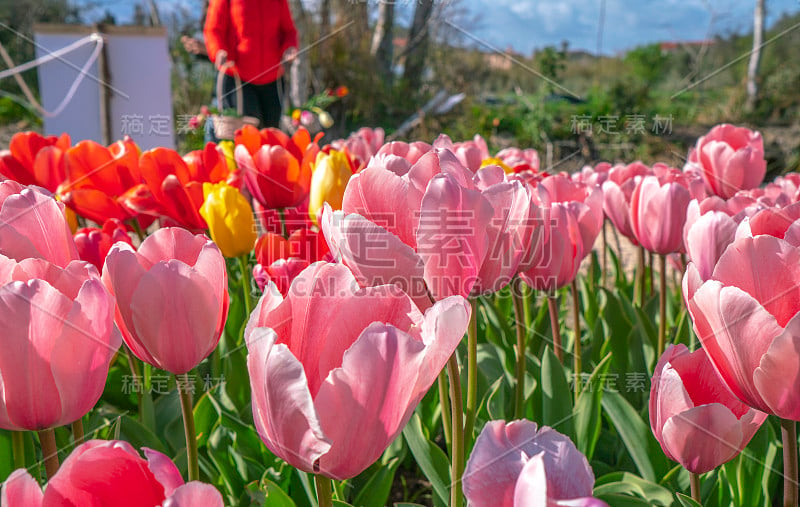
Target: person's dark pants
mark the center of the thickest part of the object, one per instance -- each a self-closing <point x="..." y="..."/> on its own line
<point x="260" y="101"/>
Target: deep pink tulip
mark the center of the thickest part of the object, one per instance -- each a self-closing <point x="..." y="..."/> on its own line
<point x="745" y="315"/>
<point x="94" y="243"/>
<point x="517" y="464"/>
<point x="658" y="212"/>
<point x="696" y="419"/>
<point x="572" y="214"/>
<point x="730" y="159"/>
<point x="33" y="224"/>
<point x="432" y="227"/>
<point x="104" y="473"/>
<point x="58" y="341"/>
<point x="172" y="297"/>
<point x="336" y="370"/>
<point x="617" y="192"/>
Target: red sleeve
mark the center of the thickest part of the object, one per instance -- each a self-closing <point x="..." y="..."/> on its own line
<point x="288" y="30"/>
<point x="216" y="29"/>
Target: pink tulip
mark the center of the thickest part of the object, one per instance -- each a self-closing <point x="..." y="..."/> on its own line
<point x="778" y="222"/>
<point x="93" y="244"/>
<point x="58" y="341"/>
<point x="409" y="151"/>
<point x="572" y="217"/>
<point x="617" y="192"/>
<point x="658" y="212"/>
<point x="790" y="185"/>
<point x="520" y="160"/>
<point x="33" y="224"/>
<point x="729" y="159"/>
<point x="433" y="227"/>
<point x="361" y="145"/>
<point x="172" y="297"/>
<point x="517" y="464"/>
<point x="593" y="176"/>
<point x="336" y="370"/>
<point x="696" y="419"/>
<point x="470" y="153"/>
<point x="282" y="273"/>
<point x="111" y="473"/>
<point x="745" y="315"/>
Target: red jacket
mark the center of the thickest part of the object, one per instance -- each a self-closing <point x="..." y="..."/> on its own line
<point x="254" y="33"/>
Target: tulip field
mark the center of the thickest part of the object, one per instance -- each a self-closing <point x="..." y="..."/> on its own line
<point x="295" y="321"/>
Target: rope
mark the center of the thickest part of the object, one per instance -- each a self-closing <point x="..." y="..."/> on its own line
<point x="15" y="71"/>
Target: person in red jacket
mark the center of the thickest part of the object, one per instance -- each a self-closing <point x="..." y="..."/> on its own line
<point x="257" y="36"/>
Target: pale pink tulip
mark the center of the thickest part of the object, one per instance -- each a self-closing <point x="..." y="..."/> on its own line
<point x="337" y="370"/>
<point x="746" y="316"/>
<point x="361" y="145"/>
<point x="696" y="419"/>
<point x="520" y="160"/>
<point x="111" y="473"/>
<point x="58" y="341"/>
<point x="658" y="212"/>
<point x="572" y="216"/>
<point x="33" y="224"/>
<point x="617" y="192"/>
<point x="518" y="464"/>
<point x="730" y="159"/>
<point x="470" y="153"/>
<point x="172" y="297"/>
<point x="409" y="151"/>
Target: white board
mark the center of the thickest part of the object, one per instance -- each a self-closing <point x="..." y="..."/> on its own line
<point x="140" y="100"/>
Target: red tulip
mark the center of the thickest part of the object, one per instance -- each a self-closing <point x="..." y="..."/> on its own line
<point x="281" y="260"/>
<point x="745" y="315"/>
<point x="33" y="224"/>
<point x="658" y="211"/>
<point x="32" y="159"/>
<point x="58" y="341"/>
<point x="290" y="219"/>
<point x="617" y="192"/>
<point x="99" y="179"/>
<point x="515" y="464"/>
<point x="696" y="419"/>
<point x="93" y="244"/>
<point x="572" y="217"/>
<point x="111" y="473"/>
<point x="330" y="348"/>
<point x="172" y="297"/>
<point x="730" y="159"/>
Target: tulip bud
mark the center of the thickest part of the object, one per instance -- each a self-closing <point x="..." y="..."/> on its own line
<point x="229" y="218"/>
<point x="325" y="119"/>
<point x="331" y="174"/>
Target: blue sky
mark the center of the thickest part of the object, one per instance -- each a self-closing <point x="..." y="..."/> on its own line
<point x="526" y="25"/>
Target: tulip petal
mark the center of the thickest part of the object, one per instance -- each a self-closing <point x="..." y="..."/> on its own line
<point x="21" y="489"/>
<point x="702" y="438"/>
<point x="777" y="377"/>
<point x="283" y="410"/>
<point x="375" y="387"/>
<point x="530" y="489"/>
<point x="194" y="494"/>
<point x="164" y="470"/>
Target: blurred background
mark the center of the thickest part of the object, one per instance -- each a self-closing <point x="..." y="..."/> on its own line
<point x="580" y="81"/>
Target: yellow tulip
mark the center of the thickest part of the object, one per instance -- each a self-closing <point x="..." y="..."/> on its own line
<point x="227" y="150"/>
<point x="331" y="174"/>
<point x="229" y="218"/>
<point x="497" y="161"/>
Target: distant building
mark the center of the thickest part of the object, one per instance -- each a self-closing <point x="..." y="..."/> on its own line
<point x="675" y="46"/>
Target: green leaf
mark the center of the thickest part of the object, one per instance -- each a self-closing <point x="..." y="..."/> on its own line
<point x="6" y="455"/>
<point x="206" y="418"/>
<point x="588" y="409"/>
<point x="138" y="436"/>
<point x="624" y="483"/>
<point x="430" y="458"/>
<point x="377" y="489"/>
<point x="556" y="395"/>
<point x="686" y="501"/>
<point x="636" y="435"/>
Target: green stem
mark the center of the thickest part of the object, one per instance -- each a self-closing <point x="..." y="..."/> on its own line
<point x="457" y="454"/>
<point x="604" y="268"/>
<point x="137" y="229"/>
<point x="324" y="491"/>
<point x="282" y="215"/>
<point x="248" y="302"/>
<point x="694" y="483"/>
<point x="137" y="382"/>
<point x="187" y="407"/>
<point x="662" y="306"/>
<point x="638" y="291"/>
<point x="47" y="439"/>
<point x="18" y="447"/>
<point x="789" y="434"/>
<point x="522" y="333"/>
<point x="576" y="327"/>
<point x="652" y="257"/>
<point x="444" y="402"/>
<point x="77" y="432"/>
<point x="552" y="306"/>
<point x="472" y="374"/>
